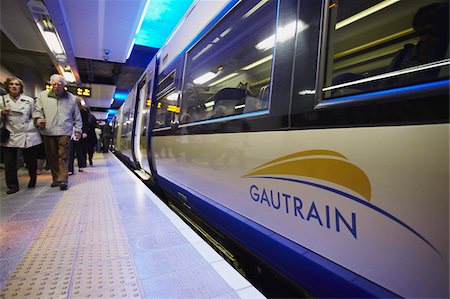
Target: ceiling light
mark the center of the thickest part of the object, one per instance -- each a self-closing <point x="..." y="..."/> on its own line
<point x="255" y="8"/>
<point x="288" y="31"/>
<point x="209" y="104"/>
<point x="52" y="42"/>
<point x="205" y="78"/>
<point x="223" y="79"/>
<point x="173" y="96"/>
<point x="365" y="13"/>
<point x="266" y="44"/>
<point x="68" y="75"/>
<point x="256" y="63"/>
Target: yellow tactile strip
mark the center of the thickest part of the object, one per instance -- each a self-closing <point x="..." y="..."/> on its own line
<point x="81" y="250"/>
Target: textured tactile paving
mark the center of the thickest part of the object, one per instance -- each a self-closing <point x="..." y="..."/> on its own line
<point x="46" y="285"/>
<point x="81" y="250"/>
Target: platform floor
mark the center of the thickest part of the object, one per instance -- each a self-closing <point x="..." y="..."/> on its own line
<point x="107" y="236"/>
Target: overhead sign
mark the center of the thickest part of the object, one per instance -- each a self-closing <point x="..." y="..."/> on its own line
<point x="79" y="91"/>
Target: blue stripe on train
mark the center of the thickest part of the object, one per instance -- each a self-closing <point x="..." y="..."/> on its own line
<point x="317" y="274"/>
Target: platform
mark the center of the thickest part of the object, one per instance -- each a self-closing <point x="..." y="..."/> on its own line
<point x="107" y="236"/>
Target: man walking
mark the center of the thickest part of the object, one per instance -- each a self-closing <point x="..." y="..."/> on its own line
<point x="57" y="115"/>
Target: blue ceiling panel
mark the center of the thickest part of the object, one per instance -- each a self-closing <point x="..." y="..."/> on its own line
<point x="161" y="18"/>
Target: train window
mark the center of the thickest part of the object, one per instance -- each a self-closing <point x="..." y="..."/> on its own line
<point x="375" y="44"/>
<point x="228" y="72"/>
<point x="166" y="106"/>
<point x="165" y="81"/>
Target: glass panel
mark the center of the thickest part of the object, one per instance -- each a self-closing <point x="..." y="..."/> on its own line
<point x="228" y="71"/>
<point x="127" y="127"/>
<point x="382" y="44"/>
<point x="165" y="81"/>
<point x="145" y="104"/>
<point x="165" y="107"/>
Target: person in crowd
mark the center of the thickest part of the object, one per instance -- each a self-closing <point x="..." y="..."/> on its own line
<point x="431" y="23"/>
<point x="98" y="135"/>
<point x="57" y="115"/>
<point x="106" y="136"/>
<point x="78" y="146"/>
<point x="91" y="138"/>
<point x="16" y="113"/>
<point x="41" y="159"/>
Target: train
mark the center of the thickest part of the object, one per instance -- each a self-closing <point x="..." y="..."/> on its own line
<point x="311" y="135"/>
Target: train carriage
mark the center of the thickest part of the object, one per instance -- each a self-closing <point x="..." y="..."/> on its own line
<point x="313" y="134"/>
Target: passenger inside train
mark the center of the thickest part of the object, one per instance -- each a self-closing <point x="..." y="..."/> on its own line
<point x="368" y="58"/>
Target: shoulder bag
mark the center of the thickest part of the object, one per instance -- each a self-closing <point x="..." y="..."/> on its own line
<point x="4" y="133"/>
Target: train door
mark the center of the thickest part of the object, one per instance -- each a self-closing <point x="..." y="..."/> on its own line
<point x="127" y="127"/>
<point x="117" y="135"/>
<point x="142" y="119"/>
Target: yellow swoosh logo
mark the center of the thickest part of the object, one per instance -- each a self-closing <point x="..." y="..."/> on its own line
<point x="318" y="164"/>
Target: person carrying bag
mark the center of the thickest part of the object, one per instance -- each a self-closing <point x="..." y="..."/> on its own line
<point x="16" y="115"/>
<point x="4" y="133"/>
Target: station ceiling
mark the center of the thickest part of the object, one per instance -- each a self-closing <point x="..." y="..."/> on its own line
<point x="97" y="36"/>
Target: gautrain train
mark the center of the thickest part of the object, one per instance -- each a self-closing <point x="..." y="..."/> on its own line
<point x="313" y="135"/>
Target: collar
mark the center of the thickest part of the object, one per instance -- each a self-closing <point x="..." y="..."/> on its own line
<point x="51" y="94"/>
<point x="15" y="99"/>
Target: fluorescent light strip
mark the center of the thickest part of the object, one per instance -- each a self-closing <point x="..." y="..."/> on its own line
<point x="374" y="43"/>
<point x="266" y="44"/>
<point x="144" y="12"/>
<point x="205" y="78"/>
<point x="255" y="8"/>
<point x="209" y="104"/>
<point x="68" y="75"/>
<point x="392" y="74"/>
<point x="130" y="49"/>
<point x="365" y="13"/>
<point x="173" y="96"/>
<point x="52" y="41"/>
<point x="223" y="79"/>
<point x="226" y="31"/>
<point x="256" y="63"/>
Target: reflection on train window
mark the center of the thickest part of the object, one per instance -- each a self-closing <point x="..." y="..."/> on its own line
<point x="228" y="71"/>
<point x="165" y="81"/>
<point x="167" y="105"/>
<point x="146" y="109"/>
<point x="382" y="44"/>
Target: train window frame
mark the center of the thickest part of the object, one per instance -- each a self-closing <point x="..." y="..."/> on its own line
<point x="263" y="110"/>
<point x="170" y="76"/>
<point x="159" y="98"/>
<point x="387" y="92"/>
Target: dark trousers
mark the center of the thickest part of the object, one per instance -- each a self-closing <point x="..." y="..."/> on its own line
<point x="30" y="157"/>
<point x="57" y="150"/>
<point x="77" y="148"/>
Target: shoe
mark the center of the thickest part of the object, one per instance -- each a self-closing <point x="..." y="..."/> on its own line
<point x="90" y="163"/>
<point x="63" y="186"/>
<point x="70" y="172"/>
<point x="12" y="190"/>
<point x="80" y="170"/>
<point x="31" y="184"/>
<point x="54" y="184"/>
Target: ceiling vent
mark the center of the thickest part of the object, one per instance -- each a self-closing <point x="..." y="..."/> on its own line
<point x="38" y="7"/>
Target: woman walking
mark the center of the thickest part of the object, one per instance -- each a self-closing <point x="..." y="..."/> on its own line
<point x="15" y="115"/>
